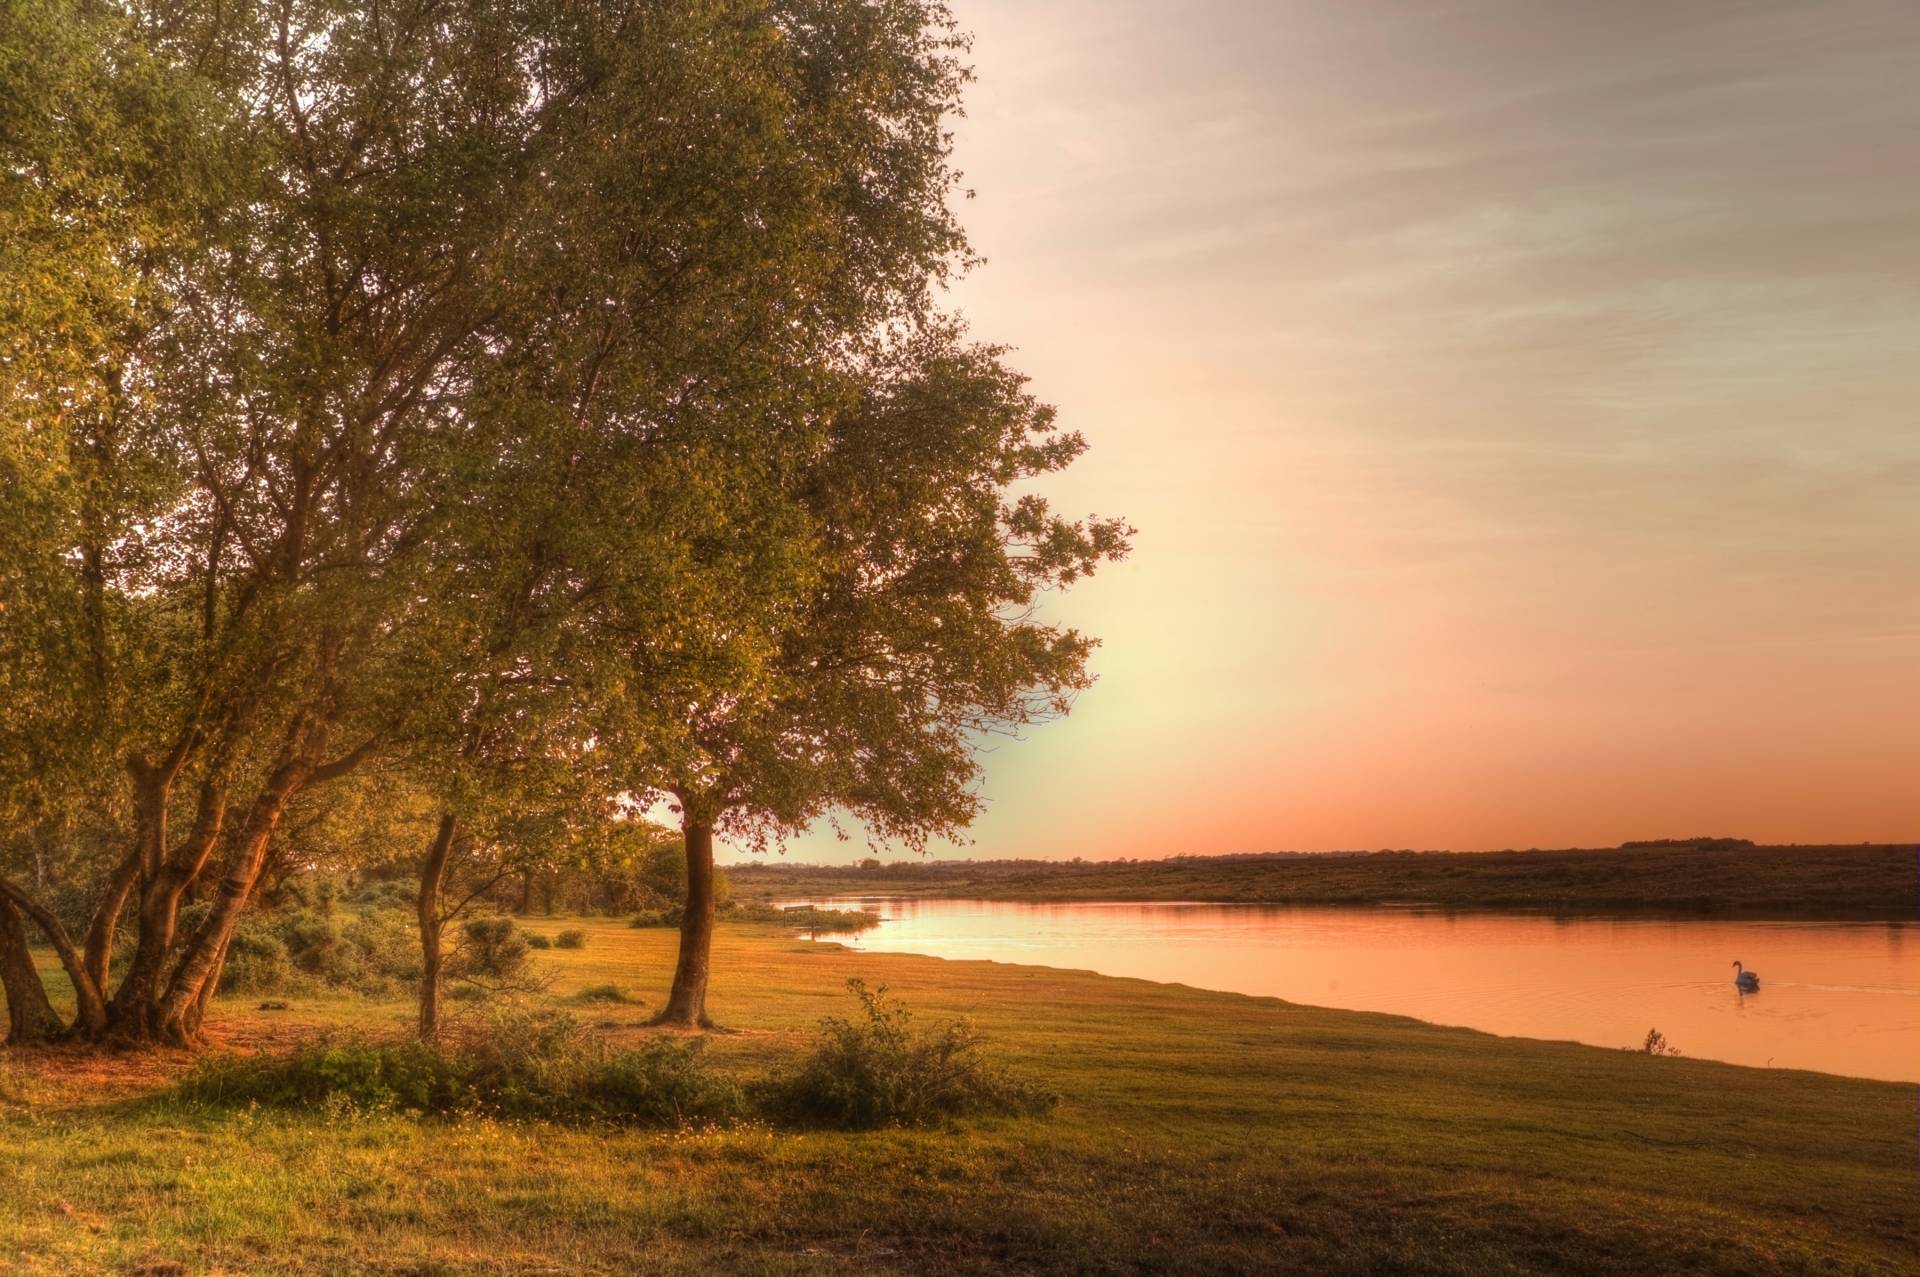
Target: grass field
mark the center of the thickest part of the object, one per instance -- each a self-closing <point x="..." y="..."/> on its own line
<point x="1876" y="883"/>
<point x="1198" y="1133"/>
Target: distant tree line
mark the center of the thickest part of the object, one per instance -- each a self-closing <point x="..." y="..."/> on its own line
<point x="452" y="431"/>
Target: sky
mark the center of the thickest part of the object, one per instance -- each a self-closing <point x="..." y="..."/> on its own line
<point x="1517" y="403"/>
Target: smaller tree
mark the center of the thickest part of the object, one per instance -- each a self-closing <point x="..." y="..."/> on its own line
<point x="915" y="634"/>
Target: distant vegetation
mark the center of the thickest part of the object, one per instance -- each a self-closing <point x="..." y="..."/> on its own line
<point x="798" y="917"/>
<point x="1715" y="877"/>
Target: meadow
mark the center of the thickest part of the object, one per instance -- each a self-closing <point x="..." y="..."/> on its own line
<point x="1866" y="882"/>
<point x="1197" y="1133"/>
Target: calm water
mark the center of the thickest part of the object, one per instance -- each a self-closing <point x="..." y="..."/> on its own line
<point x="1838" y="997"/>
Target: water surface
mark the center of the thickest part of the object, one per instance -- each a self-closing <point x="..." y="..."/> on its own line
<point x="1838" y="997"/>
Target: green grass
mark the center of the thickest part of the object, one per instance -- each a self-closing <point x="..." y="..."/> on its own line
<point x="1199" y="1133"/>
<point x="1878" y="883"/>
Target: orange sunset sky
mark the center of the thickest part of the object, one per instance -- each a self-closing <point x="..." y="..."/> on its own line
<point x="1519" y="404"/>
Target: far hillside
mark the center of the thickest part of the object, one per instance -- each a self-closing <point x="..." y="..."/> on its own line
<point x="1709" y="877"/>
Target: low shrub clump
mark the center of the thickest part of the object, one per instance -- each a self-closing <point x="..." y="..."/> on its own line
<point x="874" y="1070"/>
<point x="493" y="954"/>
<point x="517" y="1064"/>
<point x="316" y="948"/>
<point x="535" y="940"/>
<point x="606" y="994"/>
<point x="570" y="940"/>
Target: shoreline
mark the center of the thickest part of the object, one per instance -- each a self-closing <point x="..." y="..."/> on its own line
<point x="1297" y="1140"/>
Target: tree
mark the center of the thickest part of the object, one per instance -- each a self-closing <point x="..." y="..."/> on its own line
<point x="915" y="633"/>
<point x="328" y="278"/>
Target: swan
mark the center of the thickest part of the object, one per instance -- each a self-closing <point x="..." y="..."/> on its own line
<point x="1742" y="978"/>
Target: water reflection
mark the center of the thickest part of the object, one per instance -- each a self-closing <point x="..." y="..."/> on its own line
<point x="1838" y="997"/>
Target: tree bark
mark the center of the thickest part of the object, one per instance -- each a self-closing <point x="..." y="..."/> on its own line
<point x="687" y="1003"/>
<point x="134" y="1004"/>
<point x="90" y="1019"/>
<point x="169" y="1017"/>
<point x="30" y="1017"/>
<point x="433" y="878"/>
<point x="98" y="957"/>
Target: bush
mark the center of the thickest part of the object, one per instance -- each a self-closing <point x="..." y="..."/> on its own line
<point x="535" y="940"/>
<point x="606" y="993"/>
<point x="351" y="1073"/>
<point x="570" y="940"/>
<point x="376" y="952"/>
<point x="669" y="917"/>
<point x="874" y="1070"/>
<point x="257" y="960"/>
<point x="518" y="1064"/>
<point x="493" y="954"/>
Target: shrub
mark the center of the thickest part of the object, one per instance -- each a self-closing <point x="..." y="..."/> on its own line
<point x="669" y="917"/>
<point x="373" y="952"/>
<point x="570" y="940"/>
<point x="493" y="953"/>
<point x="1656" y="1044"/>
<point x="352" y="1073"/>
<point x="518" y="1064"/>
<point x="535" y="940"/>
<point x="605" y="993"/>
<point x="257" y="960"/>
<point x="664" y="1083"/>
<point x="874" y="1070"/>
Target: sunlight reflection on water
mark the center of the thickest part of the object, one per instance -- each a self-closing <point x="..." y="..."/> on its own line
<point x="1835" y="996"/>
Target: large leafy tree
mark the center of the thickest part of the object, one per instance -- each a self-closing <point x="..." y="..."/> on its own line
<point x="321" y="284"/>
<point x="912" y="633"/>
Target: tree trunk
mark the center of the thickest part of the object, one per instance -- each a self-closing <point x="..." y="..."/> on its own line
<point x="30" y="1017"/>
<point x="687" y="1004"/>
<point x="135" y="1003"/>
<point x="90" y="1019"/>
<point x="433" y="877"/>
<point x="526" y="894"/>
<point x="170" y="1017"/>
<point x="99" y="947"/>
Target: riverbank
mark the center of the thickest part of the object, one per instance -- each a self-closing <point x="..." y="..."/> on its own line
<point x="1198" y="1133"/>
<point x="1877" y="883"/>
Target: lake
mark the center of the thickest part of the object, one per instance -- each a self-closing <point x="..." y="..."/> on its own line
<point x="1834" y="996"/>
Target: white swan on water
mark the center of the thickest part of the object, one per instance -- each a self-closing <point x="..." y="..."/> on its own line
<point x="1743" y="978"/>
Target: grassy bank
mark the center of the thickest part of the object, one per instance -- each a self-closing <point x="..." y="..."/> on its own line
<point x="1199" y="1133"/>
<point x="1875" y="883"/>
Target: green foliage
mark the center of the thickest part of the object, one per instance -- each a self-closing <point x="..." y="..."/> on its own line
<point x="875" y="1070"/>
<point x="538" y="940"/>
<point x="493" y="952"/>
<point x="375" y="952"/>
<point x="806" y="919"/>
<point x="516" y="1065"/>
<point x="571" y="939"/>
<point x="376" y="394"/>
<point x="605" y="995"/>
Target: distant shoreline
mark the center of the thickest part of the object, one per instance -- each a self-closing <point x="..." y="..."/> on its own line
<point x="1716" y="879"/>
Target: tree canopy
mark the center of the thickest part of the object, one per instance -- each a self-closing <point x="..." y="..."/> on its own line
<point x="540" y="401"/>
